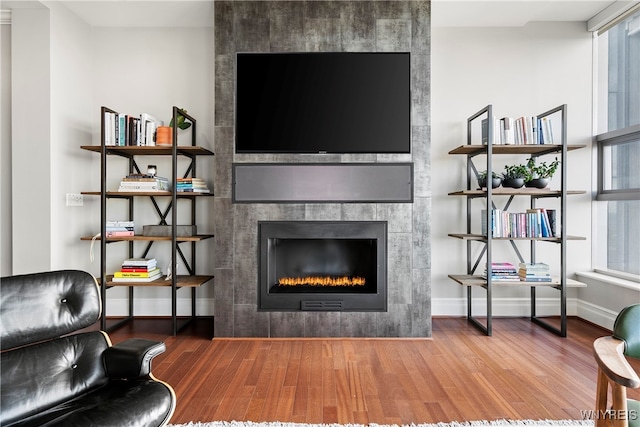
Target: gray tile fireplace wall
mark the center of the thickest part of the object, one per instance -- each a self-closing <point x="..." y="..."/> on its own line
<point x="315" y="26"/>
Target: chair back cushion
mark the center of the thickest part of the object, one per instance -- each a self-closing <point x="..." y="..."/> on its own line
<point x="627" y="328"/>
<point x="36" y="379"/>
<point x="41" y="306"/>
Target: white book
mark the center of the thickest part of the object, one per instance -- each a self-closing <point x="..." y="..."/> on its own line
<point x="148" y="126"/>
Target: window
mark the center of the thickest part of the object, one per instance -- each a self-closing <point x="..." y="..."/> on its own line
<point x="619" y="147"/>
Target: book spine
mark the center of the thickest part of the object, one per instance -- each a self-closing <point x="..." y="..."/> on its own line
<point x="120" y="233"/>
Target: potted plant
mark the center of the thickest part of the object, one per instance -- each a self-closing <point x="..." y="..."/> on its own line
<point x="514" y="176"/>
<point x="539" y="174"/>
<point x="164" y="135"/>
<point x="495" y="179"/>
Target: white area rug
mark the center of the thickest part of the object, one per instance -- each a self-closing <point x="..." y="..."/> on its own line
<point x="497" y="423"/>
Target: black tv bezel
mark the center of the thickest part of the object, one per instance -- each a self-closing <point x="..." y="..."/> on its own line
<point x="273" y="151"/>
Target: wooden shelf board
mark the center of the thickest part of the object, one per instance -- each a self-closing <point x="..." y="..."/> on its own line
<point x="155" y="150"/>
<point x="195" y="238"/>
<point x="513" y="149"/>
<point x="183" y="282"/>
<point x="126" y="194"/>
<point x="482" y="238"/>
<point x="501" y="191"/>
<point x="470" y="280"/>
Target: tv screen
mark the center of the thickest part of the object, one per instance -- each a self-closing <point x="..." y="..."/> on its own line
<point x="323" y="103"/>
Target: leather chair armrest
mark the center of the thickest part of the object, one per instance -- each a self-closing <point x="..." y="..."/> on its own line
<point x="132" y="358"/>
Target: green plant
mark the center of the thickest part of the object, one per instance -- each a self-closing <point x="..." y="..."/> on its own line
<point x="515" y="172"/>
<point x="181" y="120"/>
<point x="541" y="170"/>
<point x="483" y="175"/>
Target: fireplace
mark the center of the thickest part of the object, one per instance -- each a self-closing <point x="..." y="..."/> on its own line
<point x="322" y="265"/>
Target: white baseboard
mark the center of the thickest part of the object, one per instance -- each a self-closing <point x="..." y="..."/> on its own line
<point x="596" y="314"/>
<point x="158" y="307"/>
<point x="502" y="307"/>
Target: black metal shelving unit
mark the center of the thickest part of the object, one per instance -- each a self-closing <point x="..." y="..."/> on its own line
<point x="191" y="280"/>
<point x="473" y="280"/>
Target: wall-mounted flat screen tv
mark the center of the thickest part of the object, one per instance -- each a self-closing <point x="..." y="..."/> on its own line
<point x="323" y="102"/>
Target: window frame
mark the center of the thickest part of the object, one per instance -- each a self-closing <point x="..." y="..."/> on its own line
<point x="608" y="139"/>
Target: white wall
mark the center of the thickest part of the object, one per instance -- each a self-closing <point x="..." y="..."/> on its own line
<point x="520" y="71"/>
<point x="30" y="134"/>
<point x="71" y="168"/>
<point x="150" y="70"/>
<point x="59" y="85"/>
<point x="6" y="256"/>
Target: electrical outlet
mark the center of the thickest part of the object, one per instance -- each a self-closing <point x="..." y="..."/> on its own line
<point x="74" y="199"/>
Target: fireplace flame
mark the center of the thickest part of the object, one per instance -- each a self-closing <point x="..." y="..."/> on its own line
<point x="321" y="281"/>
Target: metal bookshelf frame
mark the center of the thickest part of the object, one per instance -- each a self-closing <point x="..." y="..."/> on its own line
<point x="191" y="152"/>
<point x="472" y="280"/>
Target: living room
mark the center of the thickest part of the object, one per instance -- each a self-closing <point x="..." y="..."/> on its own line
<point x="63" y="61"/>
<point x="546" y="62"/>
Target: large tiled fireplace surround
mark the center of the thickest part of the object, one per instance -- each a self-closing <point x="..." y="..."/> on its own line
<point x="396" y="301"/>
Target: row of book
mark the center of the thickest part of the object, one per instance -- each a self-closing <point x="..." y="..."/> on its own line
<point x="119" y="228"/>
<point x="143" y="183"/>
<point x="533" y="223"/>
<point x="519" y="131"/>
<point x="138" y="270"/>
<point x="192" y="185"/>
<point x="537" y="272"/>
<point x="124" y="129"/>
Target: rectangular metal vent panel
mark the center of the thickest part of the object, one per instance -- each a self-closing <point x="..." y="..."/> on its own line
<point x="323" y="182"/>
<point x="321" y="305"/>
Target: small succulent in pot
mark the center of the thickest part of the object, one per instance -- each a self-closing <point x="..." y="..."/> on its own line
<point x="514" y="176"/>
<point x="496" y="180"/>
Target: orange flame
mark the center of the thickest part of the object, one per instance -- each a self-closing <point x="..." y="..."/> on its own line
<point x="321" y="281"/>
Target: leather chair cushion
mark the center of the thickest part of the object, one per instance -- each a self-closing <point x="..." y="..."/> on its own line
<point x="41" y="306"/>
<point x="626" y="328"/>
<point x="42" y="376"/>
<point x="143" y="402"/>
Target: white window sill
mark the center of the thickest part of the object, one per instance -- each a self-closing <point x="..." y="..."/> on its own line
<point x="610" y="280"/>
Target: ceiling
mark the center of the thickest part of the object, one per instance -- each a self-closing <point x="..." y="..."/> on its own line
<point x="445" y="13"/>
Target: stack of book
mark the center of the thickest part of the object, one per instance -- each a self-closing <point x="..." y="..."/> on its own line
<point x="503" y="271"/>
<point x="192" y="185"/>
<point x="119" y="229"/>
<point x="138" y="270"/>
<point x="143" y="183"/>
<point x="538" y="272"/>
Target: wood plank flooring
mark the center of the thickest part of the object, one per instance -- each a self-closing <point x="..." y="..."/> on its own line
<point x="522" y="372"/>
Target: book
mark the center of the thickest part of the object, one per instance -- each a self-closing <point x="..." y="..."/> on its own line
<point x="119" y="233"/>
<point x="147" y="274"/>
<point x="137" y="279"/>
<point x="139" y="262"/>
<point x="136" y="269"/>
<point x="125" y="224"/>
<point x="147" y="129"/>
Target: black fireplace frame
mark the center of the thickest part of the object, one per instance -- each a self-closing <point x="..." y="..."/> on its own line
<point x="325" y="301"/>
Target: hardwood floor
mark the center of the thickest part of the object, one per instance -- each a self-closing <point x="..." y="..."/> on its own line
<point x="522" y="372"/>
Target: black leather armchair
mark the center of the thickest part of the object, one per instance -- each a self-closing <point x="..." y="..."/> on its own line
<point x="53" y="375"/>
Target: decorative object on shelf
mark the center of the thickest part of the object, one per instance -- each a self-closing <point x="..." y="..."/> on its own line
<point x="164" y="135"/>
<point x="495" y="179"/>
<point x="514" y="176"/>
<point x="181" y="121"/>
<point x="538" y="175"/>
